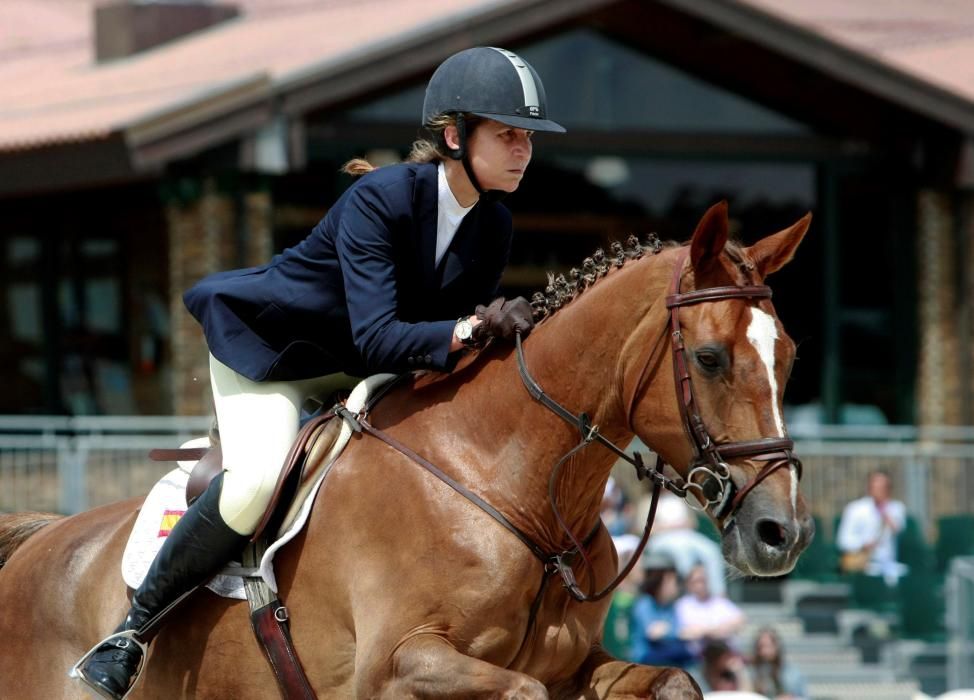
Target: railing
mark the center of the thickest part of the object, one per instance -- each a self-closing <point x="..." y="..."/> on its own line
<point x="932" y="469"/>
<point x="67" y="465"/>
<point x="960" y="623"/>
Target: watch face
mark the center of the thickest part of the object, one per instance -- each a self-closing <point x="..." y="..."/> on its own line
<point x="464" y="329"/>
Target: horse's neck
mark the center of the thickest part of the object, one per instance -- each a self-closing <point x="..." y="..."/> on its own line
<point x="578" y="358"/>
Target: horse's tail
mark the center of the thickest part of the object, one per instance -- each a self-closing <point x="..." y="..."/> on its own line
<point x="15" y="528"/>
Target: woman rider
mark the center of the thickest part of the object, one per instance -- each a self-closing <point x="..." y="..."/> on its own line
<point x="378" y="286"/>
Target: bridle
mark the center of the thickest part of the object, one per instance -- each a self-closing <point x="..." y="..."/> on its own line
<point x="709" y="456"/>
<point x="708" y="474"/>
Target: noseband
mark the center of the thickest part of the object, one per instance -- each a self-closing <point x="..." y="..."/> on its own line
<point x="708" y="475"/>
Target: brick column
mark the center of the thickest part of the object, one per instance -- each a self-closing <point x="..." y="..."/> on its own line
<point x="202" y="239"/>
<point x="939" y="385"/>
<point x="966" y="305"/>
<point x="259" y="227"/>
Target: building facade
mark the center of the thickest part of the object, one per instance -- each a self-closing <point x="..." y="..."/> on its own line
<point x="670" y="107"/>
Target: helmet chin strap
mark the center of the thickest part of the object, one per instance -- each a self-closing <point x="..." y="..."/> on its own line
<point x="463" y="156"/>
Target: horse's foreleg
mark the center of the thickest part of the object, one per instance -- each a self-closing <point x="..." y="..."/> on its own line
<point x="604" y="677"/>
<point x="429" y="667"/>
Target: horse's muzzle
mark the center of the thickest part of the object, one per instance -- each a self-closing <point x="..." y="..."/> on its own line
<point x="763" y="544"/>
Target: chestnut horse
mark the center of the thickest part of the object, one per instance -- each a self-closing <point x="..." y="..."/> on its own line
<point x="399" y="587"/>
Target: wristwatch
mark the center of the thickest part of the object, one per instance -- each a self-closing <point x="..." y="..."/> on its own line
<point x="464" y="331"/>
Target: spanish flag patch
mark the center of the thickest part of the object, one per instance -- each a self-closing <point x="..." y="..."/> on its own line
<point x="169" y="520"/>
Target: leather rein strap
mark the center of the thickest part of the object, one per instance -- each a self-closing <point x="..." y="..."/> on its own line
<point x="560" y="562"/>
<point x="709" y="458"/>
<point x="589" y="434"/>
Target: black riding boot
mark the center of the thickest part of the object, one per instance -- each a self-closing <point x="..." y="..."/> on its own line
<point x="200" y="544"/>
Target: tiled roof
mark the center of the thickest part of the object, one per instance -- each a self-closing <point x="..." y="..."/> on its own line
<point x="52" y="92"/>
<point x="928" y="41"/>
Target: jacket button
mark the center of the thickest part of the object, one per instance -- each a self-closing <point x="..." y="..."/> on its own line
<point x="429" y="359"/>
<point x="411" y="360"/>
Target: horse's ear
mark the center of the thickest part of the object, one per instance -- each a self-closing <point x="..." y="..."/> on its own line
<point x="772" y="253"/>
<point x="710" y="236"/>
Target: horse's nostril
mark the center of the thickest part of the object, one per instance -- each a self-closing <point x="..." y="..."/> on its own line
<point x="771" y="533"/>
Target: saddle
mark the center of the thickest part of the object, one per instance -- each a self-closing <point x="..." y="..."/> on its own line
<point x="310" y="447"/>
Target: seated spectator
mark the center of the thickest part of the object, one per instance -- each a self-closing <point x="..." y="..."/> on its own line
<point x="705" y="617"/>
<point x="615" y="633"/>
<point x="723" y="669"/>
<point x="616" y="509"/>
<point x="675" y="535"/>
<point x="654" y="632"/>
<point x="771" y="675"/>
<point x="867" y="531"/>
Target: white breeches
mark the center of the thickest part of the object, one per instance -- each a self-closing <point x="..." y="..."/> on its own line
<point x="258" y="423"/>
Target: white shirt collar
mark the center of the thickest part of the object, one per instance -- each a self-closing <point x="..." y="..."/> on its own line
<point x="449" y="214"/>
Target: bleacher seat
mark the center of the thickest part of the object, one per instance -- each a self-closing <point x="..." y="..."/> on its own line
<point x="921" y="606"/>
<point x="819" y="562"/>
<point x="955" y="537"/>
<point x="912" y="548"/>
<point x="706" y="527"/>
<point x="871" y="593"/>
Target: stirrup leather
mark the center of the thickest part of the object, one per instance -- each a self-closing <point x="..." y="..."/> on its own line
<point x="130" y="637"/>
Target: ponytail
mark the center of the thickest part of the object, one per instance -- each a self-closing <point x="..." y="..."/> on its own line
<point x="424" y="150"/>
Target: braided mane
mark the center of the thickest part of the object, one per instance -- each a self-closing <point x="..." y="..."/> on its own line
<point x="561" y="289"/>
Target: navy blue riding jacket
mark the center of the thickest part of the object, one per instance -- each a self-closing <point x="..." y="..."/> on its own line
<point x="361" y="294"/>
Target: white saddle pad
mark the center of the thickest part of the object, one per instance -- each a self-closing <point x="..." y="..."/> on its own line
<point x="166" y="503"/>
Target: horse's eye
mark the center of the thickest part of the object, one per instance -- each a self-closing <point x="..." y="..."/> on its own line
<point x="710" y="361"/>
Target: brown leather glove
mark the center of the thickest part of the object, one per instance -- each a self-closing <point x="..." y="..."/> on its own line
<point x="503" y="319"/>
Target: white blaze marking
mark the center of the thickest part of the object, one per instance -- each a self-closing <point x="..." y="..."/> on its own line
<point x="794" y="490"/>
<point x="762" y="334"/>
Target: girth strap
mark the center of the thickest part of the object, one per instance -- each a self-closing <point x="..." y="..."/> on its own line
<point x="269" y="620"/>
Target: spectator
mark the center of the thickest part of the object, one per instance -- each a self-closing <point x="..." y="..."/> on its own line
<point x="615" y="509"/>
<point x="616" y="632"/>
<point x="703" y="616"/>
<point x="654" y="632"/>
<point x="868" y="529"/>
<point x="723" y="669"/>
<point x="675" y="535"/>
<point x="771" y="675"/>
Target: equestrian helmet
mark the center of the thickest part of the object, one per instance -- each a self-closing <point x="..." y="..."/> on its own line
<point x="492" y="83"/>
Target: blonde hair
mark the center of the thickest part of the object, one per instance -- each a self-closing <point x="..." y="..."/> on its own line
<point x="428" y="150"/>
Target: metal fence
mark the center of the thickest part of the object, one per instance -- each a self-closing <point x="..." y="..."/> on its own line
<point x="932" y="469"/>
<point x="67" y="465"/>
<point x="960" y="623"/>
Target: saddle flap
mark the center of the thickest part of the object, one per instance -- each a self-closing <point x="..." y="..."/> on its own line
<point x="205" y="471"/>
<point x="311" y="444"/>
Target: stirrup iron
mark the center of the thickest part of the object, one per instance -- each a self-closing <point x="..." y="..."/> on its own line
<point x="131" y="637"/>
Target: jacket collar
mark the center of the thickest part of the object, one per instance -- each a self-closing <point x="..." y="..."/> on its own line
<point x="460" y="255"/>
<point x="424" y="204"/>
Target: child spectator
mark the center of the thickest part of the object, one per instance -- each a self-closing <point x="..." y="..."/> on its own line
<point x="772" y="676"/>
